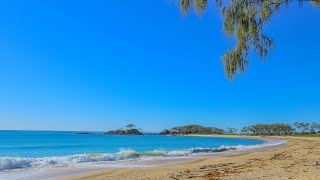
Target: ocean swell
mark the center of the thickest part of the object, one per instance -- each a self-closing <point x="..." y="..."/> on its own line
<point x="7" y="163"/>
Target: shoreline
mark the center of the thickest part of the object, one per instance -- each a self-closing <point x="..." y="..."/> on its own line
<point x="298" y="159"/>
<point x="172" y="162"/>
<point x="62" y="172"/>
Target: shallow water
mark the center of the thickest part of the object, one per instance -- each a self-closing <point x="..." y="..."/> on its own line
<point x="25" y="149"/>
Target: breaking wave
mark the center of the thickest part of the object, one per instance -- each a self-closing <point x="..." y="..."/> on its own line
<point x="7" y="163"/>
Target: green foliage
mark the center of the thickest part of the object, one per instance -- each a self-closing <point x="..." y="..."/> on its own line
<point x="315" y="3"/>
<point x="244" y="20"/>
<point x="185" y="6"/>
<point x="306" y="128"/>
<point x="282" y="129"/>
<point x="130" y="130"/>
<point x="192" y="129"/>
<point x="165" y="132"/>
<point x="130" y="126"/>
<point x="231" y="131"/>
<point x="268" y="129"/>
<point x="314" y="128"/>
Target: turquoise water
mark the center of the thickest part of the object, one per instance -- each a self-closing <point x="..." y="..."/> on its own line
<point x="20" y="149"/>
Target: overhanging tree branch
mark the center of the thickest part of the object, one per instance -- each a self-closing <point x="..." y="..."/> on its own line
<point x="243" y="19"/>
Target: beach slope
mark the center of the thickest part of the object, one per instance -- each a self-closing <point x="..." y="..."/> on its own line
<point x="299" y="159"/>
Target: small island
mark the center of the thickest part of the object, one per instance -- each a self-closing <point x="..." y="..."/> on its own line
<point x="191" y="129"/>
<point x="130" y="129"/>
<point x="81" y="132"/>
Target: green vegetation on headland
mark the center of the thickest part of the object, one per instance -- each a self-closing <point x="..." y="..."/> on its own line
<point x="81" y="132"/>
<point x="275" y="129"/>
<point x="301" y="129"/>
<point x="268" y="129"/>
<point x="130" y="129"/>
<point x="191" y="129"/>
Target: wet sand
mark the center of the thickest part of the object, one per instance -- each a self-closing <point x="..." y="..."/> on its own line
<point x="298" y="159"/>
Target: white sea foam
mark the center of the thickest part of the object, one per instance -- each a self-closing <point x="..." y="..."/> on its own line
<point x="7" y="163"/>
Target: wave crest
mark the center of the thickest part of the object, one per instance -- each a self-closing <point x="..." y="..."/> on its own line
<point x="7" y="163"/>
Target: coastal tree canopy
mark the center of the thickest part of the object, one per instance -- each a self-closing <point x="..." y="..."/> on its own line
<point x="130" y="129"/>
<point x="130" y="126"/>
<point x="231" y="130"/>
<point x="268" y="129"/>
<point x="192" y="129"/>
<point x="244" y="20"/>
<point x="282" y="129"/>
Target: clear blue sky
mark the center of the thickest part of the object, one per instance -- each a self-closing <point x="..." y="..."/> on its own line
<point x="93" y="65"/>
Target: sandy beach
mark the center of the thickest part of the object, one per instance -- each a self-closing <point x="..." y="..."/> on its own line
<point x="298" y="159"/>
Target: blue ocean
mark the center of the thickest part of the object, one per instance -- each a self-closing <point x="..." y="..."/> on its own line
<point x="25" y="149"/>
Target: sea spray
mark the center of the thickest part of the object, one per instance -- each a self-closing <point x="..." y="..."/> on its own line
<point x="123" y="154"/>
<point x="7" y="163"/>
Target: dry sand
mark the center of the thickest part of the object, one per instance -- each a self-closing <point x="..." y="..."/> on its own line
<point x="299" y="159"/>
